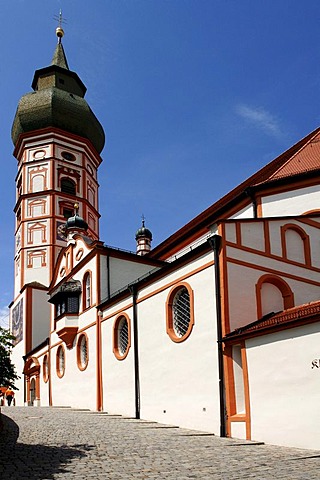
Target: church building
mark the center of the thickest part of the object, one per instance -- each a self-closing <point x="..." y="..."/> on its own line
<point x="215" y="329"/>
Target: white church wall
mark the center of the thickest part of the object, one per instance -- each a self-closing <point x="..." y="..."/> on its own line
<point x="76" y="388"/>
<point x="117" y="375"/>
<point x="179" y="381"/>
<point x="252" y="235"/>
<point x="242" y="280"/>
<point x="123" y="272"/>
<point x="292" y="202"/>
<point x="36" y="272"/>
<point x="238" y="430"/>
<point x="41" y="316"/>
<point x="284" y="370"/>
<point x="43" y="385"/>
<point x="246" y="212"/>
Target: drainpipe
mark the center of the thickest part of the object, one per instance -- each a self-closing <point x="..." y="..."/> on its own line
<point x="250" y="193"/>
<point x="133" y="291"/>
<point x="215" y="243"/>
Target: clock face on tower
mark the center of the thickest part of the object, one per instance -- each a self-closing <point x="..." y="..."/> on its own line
<point x="61" y="231"/>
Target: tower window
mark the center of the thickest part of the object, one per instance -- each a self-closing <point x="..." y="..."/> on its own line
<point x="67" y="213"/>
<point x="86" y="291"/>
<point x="68" y="186"/>
<point x="61" y="81"/>
<point x="68" y="156"/>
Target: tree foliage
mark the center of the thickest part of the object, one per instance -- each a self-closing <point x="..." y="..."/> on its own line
<point x="8" y="374"/>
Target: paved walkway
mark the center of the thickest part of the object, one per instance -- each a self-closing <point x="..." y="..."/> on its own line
<point x="50" y="443"/>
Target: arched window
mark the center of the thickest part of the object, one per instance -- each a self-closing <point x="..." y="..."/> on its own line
<point x="121" y="337"/>
<point x="82" y="352"/>
<point x="295" y="244"/>
<point x="68" y="186"/>
<point x="180" y="316"/>
<point x="60" y="361"/>
<point x="45" y="369"/>
<point x="273" y="295"/>
<point x="86" y="291"/>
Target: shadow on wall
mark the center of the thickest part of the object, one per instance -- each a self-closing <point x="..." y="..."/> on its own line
<point x="35" y="462"/>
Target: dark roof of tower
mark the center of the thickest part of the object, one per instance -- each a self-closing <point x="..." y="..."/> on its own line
<point x="57" y="101"/>
<point x="143" y="232"/>
<point x="76" y="222"/>
<point x="59" y="57"/>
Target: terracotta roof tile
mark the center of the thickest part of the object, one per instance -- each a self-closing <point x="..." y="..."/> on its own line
<point x="305" y="160"/>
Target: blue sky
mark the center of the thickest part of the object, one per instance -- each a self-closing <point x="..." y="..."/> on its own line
<point x="194" y="96"/>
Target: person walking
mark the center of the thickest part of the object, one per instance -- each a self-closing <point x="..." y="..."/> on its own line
<point x="9" y="395"/>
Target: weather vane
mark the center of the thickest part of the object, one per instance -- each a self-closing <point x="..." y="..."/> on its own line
<point x="59" y="29"/>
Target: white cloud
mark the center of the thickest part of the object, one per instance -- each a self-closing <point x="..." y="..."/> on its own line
<point x="261" y="119"/>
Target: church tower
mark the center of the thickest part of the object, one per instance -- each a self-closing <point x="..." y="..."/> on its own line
<point x="58" y="141"/>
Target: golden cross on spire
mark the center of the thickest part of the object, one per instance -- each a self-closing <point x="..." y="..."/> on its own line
<point x="59" y="29"/>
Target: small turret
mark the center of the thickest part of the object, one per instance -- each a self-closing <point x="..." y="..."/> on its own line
<point x="143" y="238"/>
<point x="75" y="224"/>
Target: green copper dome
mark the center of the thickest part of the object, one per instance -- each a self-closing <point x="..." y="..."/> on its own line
<point x="57" y="101"/>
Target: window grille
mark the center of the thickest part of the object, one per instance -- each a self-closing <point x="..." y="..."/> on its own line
<point x="83" y="352"/>
<point x="45" y="368"/>
<point x="60" y="362"/>
<point x="123" y="336"/>
<point x="181" y="312"/>
<point x="73" y="304"/>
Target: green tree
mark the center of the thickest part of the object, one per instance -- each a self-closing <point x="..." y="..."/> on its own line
<point x="8" y="373"/>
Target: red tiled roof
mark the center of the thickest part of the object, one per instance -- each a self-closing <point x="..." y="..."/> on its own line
<point x="304" y="160"/>
<point x="307" y="312"/>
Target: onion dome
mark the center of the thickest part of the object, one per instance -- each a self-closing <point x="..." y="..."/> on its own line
<point x="57" y="101"/>
<point x="143" y="232"/>
<point x="143" y="239"/>
<point x="76" y="222"/>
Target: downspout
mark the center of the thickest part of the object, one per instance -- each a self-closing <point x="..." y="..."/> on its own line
<point x="215" y="243"/>
<point x="250" y="193"/>
<point x="133" y="291"/>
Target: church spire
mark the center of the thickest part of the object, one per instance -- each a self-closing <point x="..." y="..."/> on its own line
<point x="59" y="57"/>
<point x="58" y="102"/>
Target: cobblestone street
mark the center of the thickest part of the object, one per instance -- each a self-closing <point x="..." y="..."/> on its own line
<point x="54" y="443"/>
